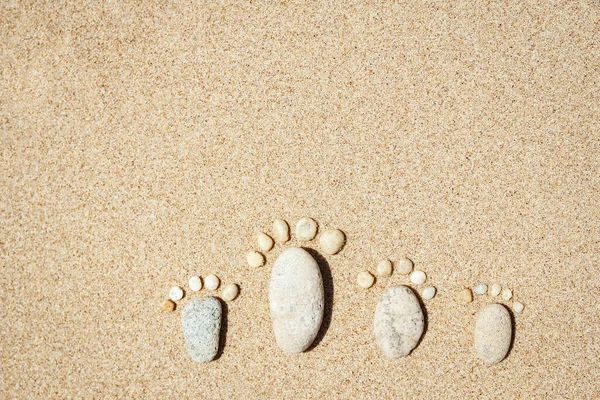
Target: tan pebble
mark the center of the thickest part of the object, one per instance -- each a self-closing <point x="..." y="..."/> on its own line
<point x="384" y="268"/>
<point x="255" y="259"/>
<point x="467" y="295"/>
<point x="230" y="292"/>
<point x="332" y="241"/>
<point x="506" y="294"/>
<point x="306" y="229"/>
<point x="365" y="279"/>
<point x="518" y="306"/>
<point x="281" y="231"/>
<point x="265" y="242"/>
<point x="405" y="266"/>
<point x="167" y="305"/>
<point x="212" y="282"/>
<point x="496" y="288"/>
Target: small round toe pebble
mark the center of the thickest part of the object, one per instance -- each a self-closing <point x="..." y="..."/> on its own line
<point x="418" y="277"/>
<point x="306" y="229"/>
<point x="255" y="259"/>
<point x="429" y="292"/>
<point x="405" y="266"/>
<point x="496" y="289"/>
<point x="230" y="292"/>
<point x="176" y="293"/>
<point x="281" y="231"/>
<point x="506" y="294"/>
<point x="480" y="288"/>
<point x="518" y="307"/>
<point x="167" y="305"/>
<point x="467" y="295"/>
<point x="384" y="268"/>
<point x="332" y="241"/>
<point x="195" y="283"/>
<point x="365" y="279"/>
<point x="265" y="242"/>
<point x="212" y="282"/>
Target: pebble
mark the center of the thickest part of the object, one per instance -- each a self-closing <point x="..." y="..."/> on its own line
<point x="365" y="279"/>
<point x="296" y="300"/>
<point x="480" y="288"/>
<point x="518" y="306"/>
<point x="399" y="321"/>
<point x="195" y="283"/>
<point x="281" y="230"/>
<point x="230" y="292"/>
<point x="201" y="322"/>
<point x="255" y="259"/>
<point x="496" y="288"/>
<point x="212" y="282"/>
<point x="506" y="294"/>
<point x="429" y="292"/>
<point x="306" y="229"/>
<point x="176" y="293"/>
<point x="467" y="295"/>
<point x="384" y="268"/>
<point x="418" y="277"/>
<point x="265" y="242"/>
<point x="167" y="305"/>
<point x="332" y="241"/>
<point x="493" y="333"/>
<point x="405" y="266"/>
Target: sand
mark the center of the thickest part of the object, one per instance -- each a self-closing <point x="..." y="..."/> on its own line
<point x="143" y="143"/>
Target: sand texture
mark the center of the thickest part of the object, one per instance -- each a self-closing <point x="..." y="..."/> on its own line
<point x="145" y="142"/>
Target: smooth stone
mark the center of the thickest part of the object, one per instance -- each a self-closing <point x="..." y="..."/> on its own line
<point x="281" y="230"/>
<point x="167" y="305"/>
<point x="405" y="266"/>
<point x="418" y="277"/>
<point x="332" y="241"/>
<point x="384" y="268"/>
<point x="306" y="229"/>
<point x="506" y="294"/>
<point x="230" y="292"/>
<point x="518" y="307"/>
<point x="296" y="299"/>
<point x="480" y="288"/>
<point x="212" y="282"/>
<point x="265" y="242"/>
<point x="467" y="295"/>
<point x="399" y="321"/>
<point x="429" y="292"/>
<point x="195" y="283"/>
<point x="201" y="321"/>
<point x="496" y="289"/>
<point x="176" y="293"/>
<point x="493" y="333"/>
<point x="365" y="279"/>
<point x="255" y="259"/>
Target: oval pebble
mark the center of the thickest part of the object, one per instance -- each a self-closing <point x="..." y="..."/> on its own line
<point x="176" y="293"/>
<point x="405" y="266"/>
<point x="306" y="229"/>
<point x="167" y="305"/>
<point x="418" y="277"/>
<point x="384" y="268"/>
<point x="493" y="333"/>
<point x="296" y="300"/>
<point x="332" y="241"/>
<point x="480" y="288"/>
<point x="495" y="290"/>
<point x="281" y="231"/>
<point x="518" y="307"/>
<point x="506" y="294"/>
<point x="399" y="321"/>
<point x="365" y="279"/>
<point x="467" y="295"/>
<point x="195" y="283"/>
<point x="201" y="322"/>
<point x="230" y="292"/>
<point x="255" y="259"/>
<point x="212" y="282"/>
<point x="265" y="242"/>
<point x="429" y="292"/>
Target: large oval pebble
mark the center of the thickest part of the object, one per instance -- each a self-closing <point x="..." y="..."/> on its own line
<point x="493" y="333"/>
<point x="201" y="320"/>
<point x="296" y="299"/>
<point x="399" y="321"/>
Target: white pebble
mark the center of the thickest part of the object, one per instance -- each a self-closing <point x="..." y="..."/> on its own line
<point x="429" y="293"/>
<point x="384" y="268"/>
<point x="281" y="231"/>
<point x="496" y="288"/>
<point x="365" y="279"/>
<point x="518" y="306"/>
<point x="176" y="293"/>
<point x="195" y="283"/>
<point x="332" y="241"/>
<point x="255" y="259"/>
<point x="306" y="229"/>
<point x="265" y="242"/>
<point x="230" y="292"/>
<point x="506" y="294"/>
<point x="418" y="277"/>
<point x="212" y="282"/>
<point x="480" y="288"/>
<point x="405" y="266"/>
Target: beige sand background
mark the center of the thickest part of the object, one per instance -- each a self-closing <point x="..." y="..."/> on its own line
<point x="142" y="142"/>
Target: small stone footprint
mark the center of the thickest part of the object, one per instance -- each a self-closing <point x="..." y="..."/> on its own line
<point x="297" y="298"/>
<point x="399" y="321"/>
<point x="494" y="331"/>
<point x="201" y="318"/>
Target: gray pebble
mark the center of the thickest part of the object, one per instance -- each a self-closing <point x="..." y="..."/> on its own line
<point x="201" y="321"/>
<point x="296" y="299"/>
<point x="399" y="321"/>
<point x="493" y="333"/>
